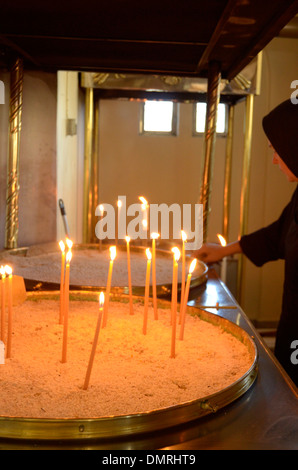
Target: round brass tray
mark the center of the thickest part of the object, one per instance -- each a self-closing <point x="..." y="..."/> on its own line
<point x="199" y="276"/>
<point x="105" y="430"/>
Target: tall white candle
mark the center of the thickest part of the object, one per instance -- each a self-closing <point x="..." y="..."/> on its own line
<point x="147" y="285"/>
<point x="154" y="237"/>
<point x="129" y="275"/>
<point x="176" y="258"/>
<point x="223" y="270"/>
<point x="113" y="252"/>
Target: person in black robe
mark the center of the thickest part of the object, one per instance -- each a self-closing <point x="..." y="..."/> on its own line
<point x="280" y="239"/>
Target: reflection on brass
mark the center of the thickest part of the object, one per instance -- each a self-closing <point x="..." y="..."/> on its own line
<point x="87" y="207"/>
<point x="245" y="184"/>
<point x="94" y="172"/>
<point x="130" y="431"/>
<point x="213" y="93"/>
<point x="15" y="119"/>
<point x="228" y="168"/>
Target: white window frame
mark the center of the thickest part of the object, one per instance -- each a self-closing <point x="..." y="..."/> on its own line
<point x="202" y="132"/>
<point x="174" y="121"/>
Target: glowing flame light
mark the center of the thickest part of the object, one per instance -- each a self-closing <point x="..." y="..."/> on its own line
<point x="154" y="235"/>
<point x="112" y="253"/>
<point x="69" y="243"/>
<point x="127" y="238"/>
<point x="192" y="266"/>
<point x="177" y="253"/>
<point x="62" y="246"/>
<point x="2" y="271"/>
<point x="183" y="235"/>
<point x="68" y="257"/>
<point x="8" y="270"/>
<point x="101" y="299"/>
<point x="148" y="253"/>
<point x="222" y="240"/>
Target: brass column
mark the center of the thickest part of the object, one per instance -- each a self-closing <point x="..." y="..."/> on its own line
<point x="95" y="170"/>
<point x="89" y="123"/>
<point x="228" y="168"/>
<point x="213" y="94"/>
<point x="15" y="119"/>
<point x="245" y="184"/>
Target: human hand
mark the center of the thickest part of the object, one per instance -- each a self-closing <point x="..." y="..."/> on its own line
<point x="210" y="253"/>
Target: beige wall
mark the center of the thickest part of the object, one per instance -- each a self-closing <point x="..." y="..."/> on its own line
<point x="163" y="169"/>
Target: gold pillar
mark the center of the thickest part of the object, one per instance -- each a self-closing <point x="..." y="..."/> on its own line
<point x="15" y="119"/>
<point x="245" y="184"/>
<point x="87" y="208"/>
<point x="213" y="93"/>
<point x="95" y="170"/>
<point x="228" y="168"/>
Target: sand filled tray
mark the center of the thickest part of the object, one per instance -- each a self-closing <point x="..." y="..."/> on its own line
<point x="40" y="265"/>
<point x="134" y="380"/>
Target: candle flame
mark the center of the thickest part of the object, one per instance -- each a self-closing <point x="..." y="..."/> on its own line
<point x="222" y="240"/>
<point x="101" y="208"/>
<point x="2" y="271"/>
<point x="192" y="266"/>
<point x="154" y="235"/>
<point x="112" y="253"/>
<point x="101" y="299"/>
<point x="183" y="235"/>
<point x="148" y="253"/>
<point x="8" y="270"/>
<point x="127" y="238"/>
<point x="119" y="203"/>
<point x="143" y="200"/>
<point x="144" y="222"/>
<point x="68" y="257"/>
<point x="177" y="253"/>
<point x="62" y="246"/>
<point x="69" y="243"/>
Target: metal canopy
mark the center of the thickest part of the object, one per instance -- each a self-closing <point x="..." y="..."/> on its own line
<point x="158" y="37"/>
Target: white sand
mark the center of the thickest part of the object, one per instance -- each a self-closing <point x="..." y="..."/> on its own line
<point x="132" y="372"/>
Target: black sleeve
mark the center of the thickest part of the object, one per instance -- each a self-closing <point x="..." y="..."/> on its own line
<point x="267" y="244"/>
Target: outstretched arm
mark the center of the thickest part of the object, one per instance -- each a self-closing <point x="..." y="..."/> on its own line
<point x="213" y="252"/>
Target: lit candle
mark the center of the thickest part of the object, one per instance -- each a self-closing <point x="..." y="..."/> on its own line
<point x="184" y="238"/>
<point x="176" y="258"/>
<point x="154" y="236"/>
<point x="66" y="306"/>
<point x="145" y="208"/>
<point x="223" y="271"/>
<point x="62" y="248"/>
<point x="9" y="325"/>
<point x="129" y="275"/>
<point x="95" y="341"/>
<point x="149" y="257"/>
<point x="3" y="276"/>
<point x="186" y="294"/>
<point x="106" y="305"/>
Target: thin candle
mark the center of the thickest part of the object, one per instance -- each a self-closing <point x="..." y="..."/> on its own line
<point x="145" y="208"/>
<point x="147" y="285"/>
<point x="66" y="307"/>
<point x="223" y="271"/>
<point x="184" y="238"/>
<point x="129" y="275"/>
<point x="62" y="248"/>
<point x="176" y="258"/>
<point x="8" y="270"/>
<point x="183" y="313"/>
<point x="3" y="294"/>
<point x="95" y="341"/>
<point x="113" y="252"/>
<point x="154" y="237"/>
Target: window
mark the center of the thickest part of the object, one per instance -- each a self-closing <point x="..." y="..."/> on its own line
<point x="200" y="118"/>
<point x="159" y="117"/>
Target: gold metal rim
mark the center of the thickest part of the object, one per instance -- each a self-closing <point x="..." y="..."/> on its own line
<point x="112" y="427"/>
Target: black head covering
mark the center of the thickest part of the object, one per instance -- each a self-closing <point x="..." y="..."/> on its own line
<point x="281" y="128"/>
